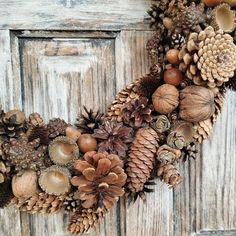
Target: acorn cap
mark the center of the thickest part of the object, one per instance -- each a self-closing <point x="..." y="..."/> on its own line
<point x="55" y="180"/>
<point x="63" y="150"/>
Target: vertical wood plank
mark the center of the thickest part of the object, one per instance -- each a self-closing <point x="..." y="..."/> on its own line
<point x="154" y="217"/>
<point x="9" y="98"/>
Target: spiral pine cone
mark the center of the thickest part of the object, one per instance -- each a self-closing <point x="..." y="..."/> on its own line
<point x="100" y="180"/>
<point x="209" y="58"/>
<point x="141" y="159"/>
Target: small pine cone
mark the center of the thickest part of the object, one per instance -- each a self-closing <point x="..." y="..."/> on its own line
<point x="39" y="132"/>
<point x="122" y="98"/>
<point x="71" y="203"/>
<point x="35" y="120"/>
<point x="57" y="127"/>
<point x="12" y="124"/>
<point x="196" y="52"/>
<point x="176" y="140"/>
<point x="169" y="174"/>
<point x="141" y="158"/>
<point x="82" y="220"/>
<point x="89" y="121"/>
<point x="5" y="193"/>
<point x="100" y="179"/>
<point x="166" y="154"/>
<point x="137" y="113"/>
<point x="160" y="124"/>
<point x="177" y="40"/>
<point x="22" y="154"/>
<point x="189" y="18"/>
<point x="191" y="151"/>
<point x="39" y="203"/>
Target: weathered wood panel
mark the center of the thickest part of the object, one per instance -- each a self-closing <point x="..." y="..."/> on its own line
<point x="9" y="97"/>
<point x="74" y="14"/>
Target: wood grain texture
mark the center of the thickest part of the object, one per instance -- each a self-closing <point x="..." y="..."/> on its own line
<point x="9" y="90"/>
<point x="74" y="14"/>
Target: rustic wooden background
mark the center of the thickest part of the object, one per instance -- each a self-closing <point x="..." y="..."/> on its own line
<point x="58" y="55"/>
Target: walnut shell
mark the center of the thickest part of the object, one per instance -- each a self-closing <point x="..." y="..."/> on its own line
<point x="165" y="99"/>
<point x="196" y="103"/>
<point x="25" y="185"/>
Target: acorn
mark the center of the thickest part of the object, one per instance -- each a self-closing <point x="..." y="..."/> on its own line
<point x="212" y="3"/>
<point x="87" y="143"/>
<point x="25" y="185"/>
<point x="173" y="76"/>
<point x="173" y="56"/>
<point x="73" y="133"/>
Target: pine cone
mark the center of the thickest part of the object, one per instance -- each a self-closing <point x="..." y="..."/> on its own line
<point x="123" y="97"/>
<point x="209" y="57"/>
<point x="191" y="151"/>
<point x="100" y="180"/>
<point x="89" y="121"/>
<point x="166" y="154"/>
<point x="23" y="154"/>
<point x="4" y="171"/>
<point x="35" y="120"/>
<point x="161" y="124"/>
<point x="141" y="159"/>
<point x="5" y="193"/>
<point x="137" y="113"/>
<point x="189" y="18"/>
<point x="169" y="174"/>
<point x="82" y="220"/>
<point x="71" y="203"/>
<point x="114" y="137"/>
<point x="12" y="124"/>
<point x="177" y="40"/>
<point x="39" y="132"/>
<point x="39" y="203"/>
<point x="204" y="128"/>
<point x="57" y="127"/>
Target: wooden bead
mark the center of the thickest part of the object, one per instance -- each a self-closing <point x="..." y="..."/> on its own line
<point x="173" y="76"/>
<point x="73" y="133"/>
<point x="173" y="56"/>
<point x="87" y="143"/>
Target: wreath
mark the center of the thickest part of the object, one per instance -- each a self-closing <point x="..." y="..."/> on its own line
<point x="154" y="123"/>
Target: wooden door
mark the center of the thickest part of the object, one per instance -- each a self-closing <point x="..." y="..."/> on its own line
<point x="58" y="55"/>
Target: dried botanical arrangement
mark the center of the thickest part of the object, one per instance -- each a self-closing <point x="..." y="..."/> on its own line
<point x="154" y="123"/>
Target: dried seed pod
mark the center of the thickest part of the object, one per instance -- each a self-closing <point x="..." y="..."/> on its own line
<point x="165" y="99"/>
<point x="196" y="103"/>
<point x="161" y="124"/>
<point x="25" y="184"/>
<point x="166" y="154"/>
<point x="223" y="18"/>
<point x="63" y="150"/>
<point x="55" y="180"/>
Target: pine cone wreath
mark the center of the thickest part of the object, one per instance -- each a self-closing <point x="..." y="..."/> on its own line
<point x="137" y="113"/>
<point x="5" y="193"/>
<point x="123" y="97"/>
<point x="39" y="203"/>
<point x="22" y="154"/>
<point x="57" y="127"/>
<point x="169" y="174"/>
<point x="84" y="219"/>
<point x="141" y="159"/>
<point x="113" y="137"/>
<point x="12" y="124"/>
<point x="89" y="121"/>
<point x="100" y="180"/>
<point x="209" y="58"/>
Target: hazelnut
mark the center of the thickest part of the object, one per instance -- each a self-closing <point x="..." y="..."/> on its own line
<point x="168" y="23"/>
<point x="173" y="56"/>
<point x="87" y="143"/>
<point x="173" y="76"/>
<point x="211" y="3"/>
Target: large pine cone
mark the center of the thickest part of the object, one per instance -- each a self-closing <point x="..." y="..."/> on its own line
<point x="209" y="58"/>
<point x="141" y="159"/>
<point x="82" y="220"/>
<point x="122" y="98"/>
<point x="39" y="203"/>
<point x="100" y="180"/>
